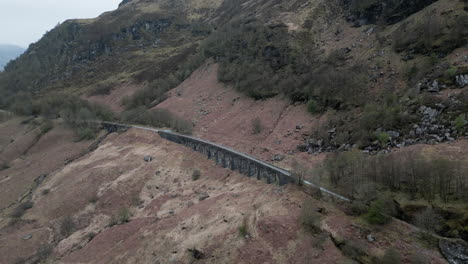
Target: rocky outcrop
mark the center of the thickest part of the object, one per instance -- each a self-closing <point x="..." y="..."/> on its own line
<point x="432" y="128"/>
<point x="461" y="80"/>
<point x="455" y="251"/>
<point x="390" y="11"/>
<point x="124" y="2"/>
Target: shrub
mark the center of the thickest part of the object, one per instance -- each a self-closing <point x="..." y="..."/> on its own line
<point x="44" y="252"/>
<point x="196" y="175"/>
<point x="354" y="250"/>
<point x="94" y="198"/>
<point x="257" y="125"/>
<point x="418" y="258"/>
<point x="91" y="235"/>
<point x="122" y="216"/>
<point x="101" y="89"/>
<point x="460" y="122"/>
<point x="243" y="231"/>
<point x="429" y="220"/>
<point x="4" y="166"/>
<point x="310" y="219"/>
<point x="313" y="107"/>
<point x="391" y="256"/>
<point x="358" y="208"/>
<point x="377" y="214"/>
<point x="67" y="226"/>
<point x="46" y="126"/>
<point x="450" y="73"/>
<point x="21" y="209"/>
<point x="197" y="254"/>
<point x="45" y="191"/>
<point x="382" y="137"/>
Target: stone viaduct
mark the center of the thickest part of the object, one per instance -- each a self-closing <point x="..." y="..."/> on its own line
<point x="226" y="157"/>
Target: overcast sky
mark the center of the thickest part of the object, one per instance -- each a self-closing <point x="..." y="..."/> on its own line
<point x="25" y="21"/>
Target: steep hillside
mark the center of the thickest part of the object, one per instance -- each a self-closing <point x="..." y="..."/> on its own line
<point x="366" y="97"/>
<point x="7" y="53"/>
<point x="112" y="206"/>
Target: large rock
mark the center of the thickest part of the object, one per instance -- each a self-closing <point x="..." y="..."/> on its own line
<point x="434" y="87"/>
<point x="455" y="251"/>
<point x="462" y="80"/>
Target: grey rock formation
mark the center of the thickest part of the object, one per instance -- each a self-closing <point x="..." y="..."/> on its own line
<point x="433" y="87"/>
<point x="278" y="157"/>
<point x="462" y="80"/>
<point x="455" y="251"/>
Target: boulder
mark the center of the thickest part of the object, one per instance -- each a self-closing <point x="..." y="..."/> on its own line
<point x="455" y="251"/>
<point x="278" y="157"/>
<point x="393" y="134"/>
<point x="434" y="87"/>
<point x="461" y="80"/>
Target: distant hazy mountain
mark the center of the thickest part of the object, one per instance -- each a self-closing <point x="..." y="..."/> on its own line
<point x="8" y="52"/>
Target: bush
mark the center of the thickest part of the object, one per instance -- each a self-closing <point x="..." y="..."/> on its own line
<point x="313" y="107"/>
<point x="382" y="137"/>
<point x="257" y="126"/>
<point x="451" y="73"/>
<point x="19" y="211"/>
<point x="354" y="250"/>
<point x="45" y="192"/>
<point x="391" y="256"/>
<point x="122" y="216"/>
<point x="46" y="126"/>
<point x="94" y="198"/>
<point x="91" y="235"/>
<point x="196" y="175"/>
<point x="310" y="219"/>
<point x="44" y="252"/>
<point x="378" y="213"/>
<point x="67" y="226"/>
<point x="429" y="220"/>
<point x="460" y="122"/>
<point x="101" y="89"/>
<point x="243" y="230"/>
<point x="358" y="208"/>
<point x="4" y="166"/>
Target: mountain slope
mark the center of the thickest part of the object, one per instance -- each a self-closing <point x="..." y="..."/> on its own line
<point x="9" y="52"/>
